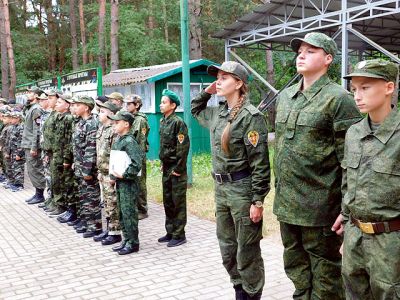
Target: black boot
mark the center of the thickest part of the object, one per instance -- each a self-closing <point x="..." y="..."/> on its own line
<point x="33" y="197"/>
<point x="104" y="234"/>
<point x="39" y="197"/>
<point x="239" y="293"/>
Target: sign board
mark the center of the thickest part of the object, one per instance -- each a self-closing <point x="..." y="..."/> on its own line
<point x="80" y="83"/>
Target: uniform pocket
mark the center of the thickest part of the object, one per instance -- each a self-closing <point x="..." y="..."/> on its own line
<point x="386" y="166"/>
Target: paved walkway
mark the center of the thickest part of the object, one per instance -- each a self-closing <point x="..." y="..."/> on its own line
<point x="43" y="259"/>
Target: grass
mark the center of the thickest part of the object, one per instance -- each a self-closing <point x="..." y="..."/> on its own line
<point x="200" y="197"/>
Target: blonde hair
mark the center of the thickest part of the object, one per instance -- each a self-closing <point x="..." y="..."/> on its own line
<point x="226" y="134"/>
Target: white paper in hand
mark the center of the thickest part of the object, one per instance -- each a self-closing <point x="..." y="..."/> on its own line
<point x="119" y="162"/>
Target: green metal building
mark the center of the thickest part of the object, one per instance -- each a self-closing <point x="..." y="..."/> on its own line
<point x="148" y="82"/>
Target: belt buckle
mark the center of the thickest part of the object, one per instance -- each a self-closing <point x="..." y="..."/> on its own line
<point x="367" y="228"/>
<point x="218" y="178"/>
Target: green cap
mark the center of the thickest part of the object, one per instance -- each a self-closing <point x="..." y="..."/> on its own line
<point x="35" y="90"/>
<point x="123" y="115"/>
<point x="375" y="68"/>
<point x="52" y="93"/>
<point x="67" y="98"/>
<point x="316" y="39"/>
<point x="133" y="99"/>
<point x="116" y="96"/>
<point x="109" y="105"/>
<point x="231" y="67"/>
<point x="172" y="96"/>
<point x="87" y="100"/>
<point x="42" y="96"/>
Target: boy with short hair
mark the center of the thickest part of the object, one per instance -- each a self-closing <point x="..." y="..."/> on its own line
<point x="16" y="152"/>
<point x="371" y="187"/>
<point x="174" y="149"/>
<point x="127" y="184"/>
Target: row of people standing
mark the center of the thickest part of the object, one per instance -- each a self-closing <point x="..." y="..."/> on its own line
<point x="316" y="165"/>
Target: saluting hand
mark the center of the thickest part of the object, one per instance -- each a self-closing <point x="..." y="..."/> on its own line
<point x="256" y="213"/>
<point x="212" y="88"/>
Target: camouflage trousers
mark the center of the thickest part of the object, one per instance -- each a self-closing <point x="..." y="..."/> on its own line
<point x="89" y="199"/>
<point x="47" y="161"/>
<point x="371" y="264"/>
<point x="2" y="163"/>
<point x="17" y="169"/>
<point x="62" y="183"/>
<point x="127" y="193"/>
<point x="109" y="199"/>
<point x="238" y="237"/>
<point x="174" y="200"/>
<point x="142" y="200"/>
<point x="312" y="261"/>
<point x="7" y="168"/>
<point x="34" y="165"/>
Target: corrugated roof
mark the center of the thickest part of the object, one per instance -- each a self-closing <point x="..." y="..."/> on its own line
<point x="148" y="74"/>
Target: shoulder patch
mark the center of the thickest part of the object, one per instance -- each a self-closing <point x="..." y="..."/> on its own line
<point x="253" y="137"/>
<point x="181" y="138"/>
<point x="144" y="130"/>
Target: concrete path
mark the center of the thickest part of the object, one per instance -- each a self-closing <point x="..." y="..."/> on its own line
<point x="43" y="259"/>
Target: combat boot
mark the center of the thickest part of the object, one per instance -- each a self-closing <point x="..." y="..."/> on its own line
<point x="111" y="239"/>
<point x="104" y="234"/>
<point x="176" y="242"/>
<point x="128" y="249"/>
<point x="73" y="223"/>
<point x="120" y="246"/>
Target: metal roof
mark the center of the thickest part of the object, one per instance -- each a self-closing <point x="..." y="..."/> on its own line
<point x="148" y="74"/>
<point x="280" y="20"/>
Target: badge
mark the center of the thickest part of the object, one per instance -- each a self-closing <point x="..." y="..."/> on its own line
<point x="144" y="130"/>
<point x="181" y="138"/>
<point x="253" y="138"/>
<point x="361" y="64"/>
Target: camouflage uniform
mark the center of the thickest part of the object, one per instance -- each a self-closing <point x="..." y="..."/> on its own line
<point x="371" y="189"/>
<point x="44" y="141"/>
<point x="127" y="188"/>
<point x="173" y="155"/>
<point x="4" y="150"/>
<point x="238" y="237"/>
<point x="105" y="137"/>
<point x="30" y="141"/>
<point x="140" y="130"/>
<point x="309" y="139"/>
<point x="84" y="151"/>
<point x="17" y="167"/>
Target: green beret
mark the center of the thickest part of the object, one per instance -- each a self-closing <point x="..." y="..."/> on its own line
<point x="375" y="68"/>
<point x="172" y="96"/>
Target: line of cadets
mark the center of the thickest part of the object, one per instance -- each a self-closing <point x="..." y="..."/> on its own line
<point x="66" y="144"/>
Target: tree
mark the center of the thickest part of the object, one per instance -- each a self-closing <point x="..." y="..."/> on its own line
<point x="83" y="33"/>
<point x="74" y="40"/>
<point x="195" y="30"/>
<point x="10" y="50"/>
<point x="101" y="37"/>
<point x="114" y="35"/>
<point x="51" y="32"/>
<point x="4" y="59"/>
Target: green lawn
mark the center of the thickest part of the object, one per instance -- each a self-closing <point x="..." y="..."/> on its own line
<point x="200" y="197"/>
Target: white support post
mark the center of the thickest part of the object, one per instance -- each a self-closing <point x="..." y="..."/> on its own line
<point x="345" y="42"/>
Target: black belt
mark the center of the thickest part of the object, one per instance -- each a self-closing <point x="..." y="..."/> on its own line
<point x="230" y="177"/>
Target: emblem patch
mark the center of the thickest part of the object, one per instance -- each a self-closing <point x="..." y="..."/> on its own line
<point x="253" y="137"/>
<point x="181" y="138"/>
<point x="362" y="64"/>
<point x="144" y="130"/>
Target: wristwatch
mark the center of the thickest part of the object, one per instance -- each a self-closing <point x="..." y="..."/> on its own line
<point x="258" y="204"/>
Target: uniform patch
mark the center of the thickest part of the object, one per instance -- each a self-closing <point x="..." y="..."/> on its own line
<point x="144" y="130"/>
<point x="181" y="138"/>
<point x="253" y="137"/>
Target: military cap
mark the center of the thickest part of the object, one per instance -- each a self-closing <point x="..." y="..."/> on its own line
<point x="35" y="90"/>
<point x="133" y="99"/>
<point x="316" y="39"/>
<point x="53" y="93"/>
<point x="123" y="115"/>
<point x="66" y="97"/>
<point x="375" y="68"/>
<point x="102" y="98"/>
<point x="231" y="67"/>
<point x="116" y="96"/>
<point x="3" y="100"/>
<point x="87" y="100"/>
<point x="16" y="114"/>
<point x="109" y="105"/>
<point x="43" y="96"/>
<point x="172" y="96"/>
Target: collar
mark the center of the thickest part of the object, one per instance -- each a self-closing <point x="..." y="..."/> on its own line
<point x="312" y="90"/>
<point x="385" y="130"/>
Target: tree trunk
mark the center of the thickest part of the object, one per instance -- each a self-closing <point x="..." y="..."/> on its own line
<point x="83" y="33"/>
<point x="270" y="78"/>
<point x="90" y="54"/>
<point x="51" y="30"/>
<point x="151" y="23"/>
<point x="194" y="28"/>
<point x="74" y="39"/>
<point x="63" y="29"/>
<point x="4" y="58"/>
<point x="165" y="16"/>
<point x="10" y="51"/>
<point x="102" y="49"/>
<point x="114" y="35"/>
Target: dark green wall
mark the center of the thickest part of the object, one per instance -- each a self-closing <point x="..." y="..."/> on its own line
<point x="200" y="136"/>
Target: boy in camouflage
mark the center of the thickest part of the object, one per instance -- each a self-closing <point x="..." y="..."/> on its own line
<point x="3" y="118"/>
<point x="371" y="187"/>
<point x="140" y="130"/>
<point x="105" y="138"/>
<point x="127" y="184"/>
<point x="17" y="155"/>
<point x="4" y="147"/>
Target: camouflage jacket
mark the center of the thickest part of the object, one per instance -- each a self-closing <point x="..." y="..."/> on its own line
<point x="61" y="137"/>
<point x="309" y="142"/>
<point x="140" y="130"/>
<point x="371" y="181"/>
<point x="104" y="140"/>
<point x="128" y="144"/>
<point x="14" y="140"/>
<point x="48" y="123"/>
<point x="31" y="135"/>
<point x="84" y="147"/>
<point x="4" y="136"/>
<point x="174" y="143"/>
<point x="248" y="144"/>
